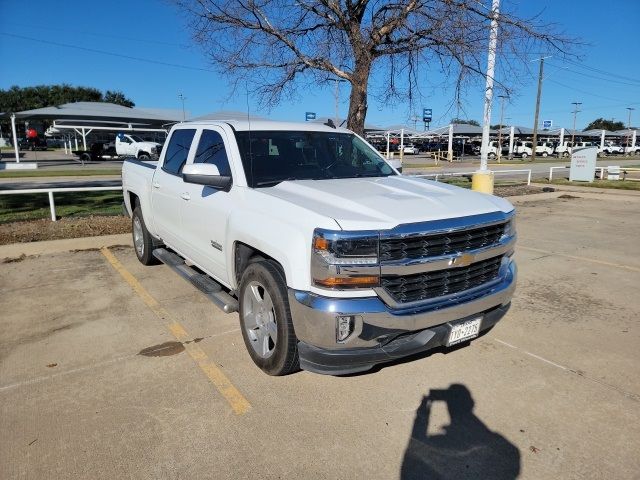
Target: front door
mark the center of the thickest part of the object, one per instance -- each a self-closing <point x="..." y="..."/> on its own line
<point x="206" y="211"/>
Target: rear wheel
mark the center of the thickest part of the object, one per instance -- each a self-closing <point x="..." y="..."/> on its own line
<point x="265" y="319"/>
<point x="142" y="239"/>
<point x="545" y="154"/>
<point x="565" y="154"/>
<point x="525" y="155"/>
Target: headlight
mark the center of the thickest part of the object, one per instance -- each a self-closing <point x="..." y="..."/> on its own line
<point x="510" y="227"/>
<point x="345" y="259"/>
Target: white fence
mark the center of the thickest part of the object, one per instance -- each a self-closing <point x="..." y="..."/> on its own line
<point x="436" y="176"/>
<point x="600" y="169"/>
<point x="51" y="191"/>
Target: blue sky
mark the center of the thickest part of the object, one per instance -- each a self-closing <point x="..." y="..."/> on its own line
<point x="155" y="30"/>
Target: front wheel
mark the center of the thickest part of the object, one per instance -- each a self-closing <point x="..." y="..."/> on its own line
<point x="144" y="157"/>
<point x="265" y="319"/>
<point x="565" y="154"/>
<point x="545" y="154"/>
<point x="525" y="155"/>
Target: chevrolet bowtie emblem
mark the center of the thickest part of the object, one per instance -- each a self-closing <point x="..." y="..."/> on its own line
<point x="463" y="260"/>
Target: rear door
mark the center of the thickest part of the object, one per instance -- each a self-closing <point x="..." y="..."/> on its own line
<point x="205" y="210"/>
<point x="168" y="186"/>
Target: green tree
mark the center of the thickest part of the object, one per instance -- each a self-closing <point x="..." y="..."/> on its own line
<point x="118" y="98"/>
<point x="604" y="124"/>
<point x="17" y="99"/>
<point x="465" y="122"/>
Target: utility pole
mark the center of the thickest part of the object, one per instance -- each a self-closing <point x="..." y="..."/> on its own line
<point x="337" y="97"/>
<point x="629" y="129"/>
<point x="501" y="97"/>
<point x="535" y="119"/>
<point x="482" y="180"/>
<point x="183" y="98"/>
<point x="575" y="113"/>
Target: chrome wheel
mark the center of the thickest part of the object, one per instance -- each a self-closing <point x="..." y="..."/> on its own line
<point x="259" y="319"/>
<point x="138" y="236"/>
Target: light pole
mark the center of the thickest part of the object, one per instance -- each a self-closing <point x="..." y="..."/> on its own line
<point x="183" y="98"/>
<point x="482" y="180"/>
<point x="501" y="97"/>
<point x="337" y="95"/>
<point x="629" y="129"/>
<point x="575" y="113"/>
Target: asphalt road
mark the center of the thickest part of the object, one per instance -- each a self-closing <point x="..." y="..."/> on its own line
<point x="109" y="369"/>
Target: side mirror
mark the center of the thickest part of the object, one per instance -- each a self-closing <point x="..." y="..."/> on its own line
<point x="206" y="174"/>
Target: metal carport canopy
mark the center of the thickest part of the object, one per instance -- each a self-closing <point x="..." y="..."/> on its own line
<point x="96" y="115"/>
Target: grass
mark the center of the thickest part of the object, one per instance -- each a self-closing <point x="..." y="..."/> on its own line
<point x="58" y="173"/>
<point x="73" y="204"/>
<point x="615" y="184"/>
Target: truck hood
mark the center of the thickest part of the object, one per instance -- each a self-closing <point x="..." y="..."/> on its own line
<point x="147" y="144"/>
<point x="385" y="202"/>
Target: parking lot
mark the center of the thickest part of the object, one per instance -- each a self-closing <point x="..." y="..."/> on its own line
<point x="109" y="369"/>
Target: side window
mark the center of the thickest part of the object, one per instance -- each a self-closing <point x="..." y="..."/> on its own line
<point x="178" y="150"/>
<point x="211" y="150"/>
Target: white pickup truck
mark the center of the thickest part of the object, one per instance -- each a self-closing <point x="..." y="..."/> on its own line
<point x="334" y="261"/>
<point x="133" y="146"/>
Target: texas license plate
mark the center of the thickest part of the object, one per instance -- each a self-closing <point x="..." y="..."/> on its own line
<point x="464" y="331"/>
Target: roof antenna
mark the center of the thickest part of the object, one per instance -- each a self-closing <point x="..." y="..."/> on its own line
<point x="246" y="89"/>
<point x="329" y="123"/>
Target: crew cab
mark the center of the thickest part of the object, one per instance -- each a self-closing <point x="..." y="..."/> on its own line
<point x="134" y="146"/>
<point x="334" y="261"/>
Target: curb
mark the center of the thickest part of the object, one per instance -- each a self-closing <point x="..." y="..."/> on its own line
<point x="16" y="250"/>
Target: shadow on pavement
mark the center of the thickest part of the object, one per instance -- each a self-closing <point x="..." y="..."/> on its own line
<point x="466" y="448"/>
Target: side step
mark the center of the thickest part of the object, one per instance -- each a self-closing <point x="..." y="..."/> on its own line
<point x="204" y="283"/>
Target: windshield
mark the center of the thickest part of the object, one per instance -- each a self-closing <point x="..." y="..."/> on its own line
<point x="271" y="157"/>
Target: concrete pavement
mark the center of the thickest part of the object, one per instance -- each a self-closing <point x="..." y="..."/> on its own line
<point x="553" y="391"/>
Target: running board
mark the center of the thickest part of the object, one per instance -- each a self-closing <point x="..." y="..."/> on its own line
<point x="209" y="287"/>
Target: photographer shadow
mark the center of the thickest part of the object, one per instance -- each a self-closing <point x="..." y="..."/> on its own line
<point x="466" y="449"/>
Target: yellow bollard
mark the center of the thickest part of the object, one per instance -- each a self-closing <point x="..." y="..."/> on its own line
<point x="482" y="181"/>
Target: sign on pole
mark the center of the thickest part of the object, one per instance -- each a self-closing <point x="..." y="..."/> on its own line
<point x="547" y="124"/>
<point x="583" y="164"/>
<point x="426" y="115"/>
<point x="309" y="116"/>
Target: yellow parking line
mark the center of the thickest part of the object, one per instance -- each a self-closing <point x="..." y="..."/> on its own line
<point x="584" y="259"/>
<point x="238" y="402"/>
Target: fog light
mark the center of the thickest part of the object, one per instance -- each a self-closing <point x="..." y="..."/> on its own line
<point x="344" y="327"/>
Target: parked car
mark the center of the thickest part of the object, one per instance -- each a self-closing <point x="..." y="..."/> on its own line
<point x="544" y="149"/>
<point x="128" y="145"/>
<point x="564" y="149"/>
<point x="410" y="150"/>
<point x="523" y="149"/>
<point x="609" y="148"/>
<point x="334" y="262"/>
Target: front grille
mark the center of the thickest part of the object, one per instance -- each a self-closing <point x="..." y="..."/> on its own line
<point x="435" y="245"/>
<point x="428" y="285"/>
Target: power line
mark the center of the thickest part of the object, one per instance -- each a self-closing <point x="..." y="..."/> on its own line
<point x="609" y="80"/>
<point x="604" y="72"/>
<point x="571" y="87"/>
<point x="104" y="52"/>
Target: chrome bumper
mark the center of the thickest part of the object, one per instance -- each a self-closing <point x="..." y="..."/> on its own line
<point x="314" y="316"/>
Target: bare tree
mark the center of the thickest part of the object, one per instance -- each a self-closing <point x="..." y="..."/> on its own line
<point x="281" y="44"/>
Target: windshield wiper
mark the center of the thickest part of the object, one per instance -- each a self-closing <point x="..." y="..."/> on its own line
<point x="273" y="183"/>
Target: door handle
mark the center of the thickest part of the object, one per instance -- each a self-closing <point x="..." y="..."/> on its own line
<point x="156" y="185"/>
<point x="185" y="196"/>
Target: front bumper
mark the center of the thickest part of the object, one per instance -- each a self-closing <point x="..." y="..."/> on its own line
<point x="382" y="333"/>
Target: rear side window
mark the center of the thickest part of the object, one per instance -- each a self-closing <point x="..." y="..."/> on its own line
<point x="178" y="150"/>
<point x="211" y="150"/>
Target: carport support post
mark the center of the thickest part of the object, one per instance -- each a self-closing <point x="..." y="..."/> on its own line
<point x="401" y="145"/>
<point x="450" y="146"/>
<point x="387" y="145"/>
<point x="84" y="140"/>
<point x="15" y="137"/>
<point x="512" y="134"/>
<point x="602" y="140"/>
<point x="561" y="136"/>
<point x="633" y="139"/>
<point x="76" y="140"/>
<point x="52" y="207"/>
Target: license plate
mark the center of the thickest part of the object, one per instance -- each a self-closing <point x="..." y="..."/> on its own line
<point x="464" y="331"/>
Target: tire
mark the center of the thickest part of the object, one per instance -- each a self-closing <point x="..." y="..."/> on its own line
<point x="144" y="156"/>
<point x="143" y="243"/>
<point x="85" y="157"/>
<point x="545" y="154"/>
<point x="492" y="155"/>
<point x="524" y="155"/>
<point x="265" y="319"/>
<point x="565" y="154"/>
